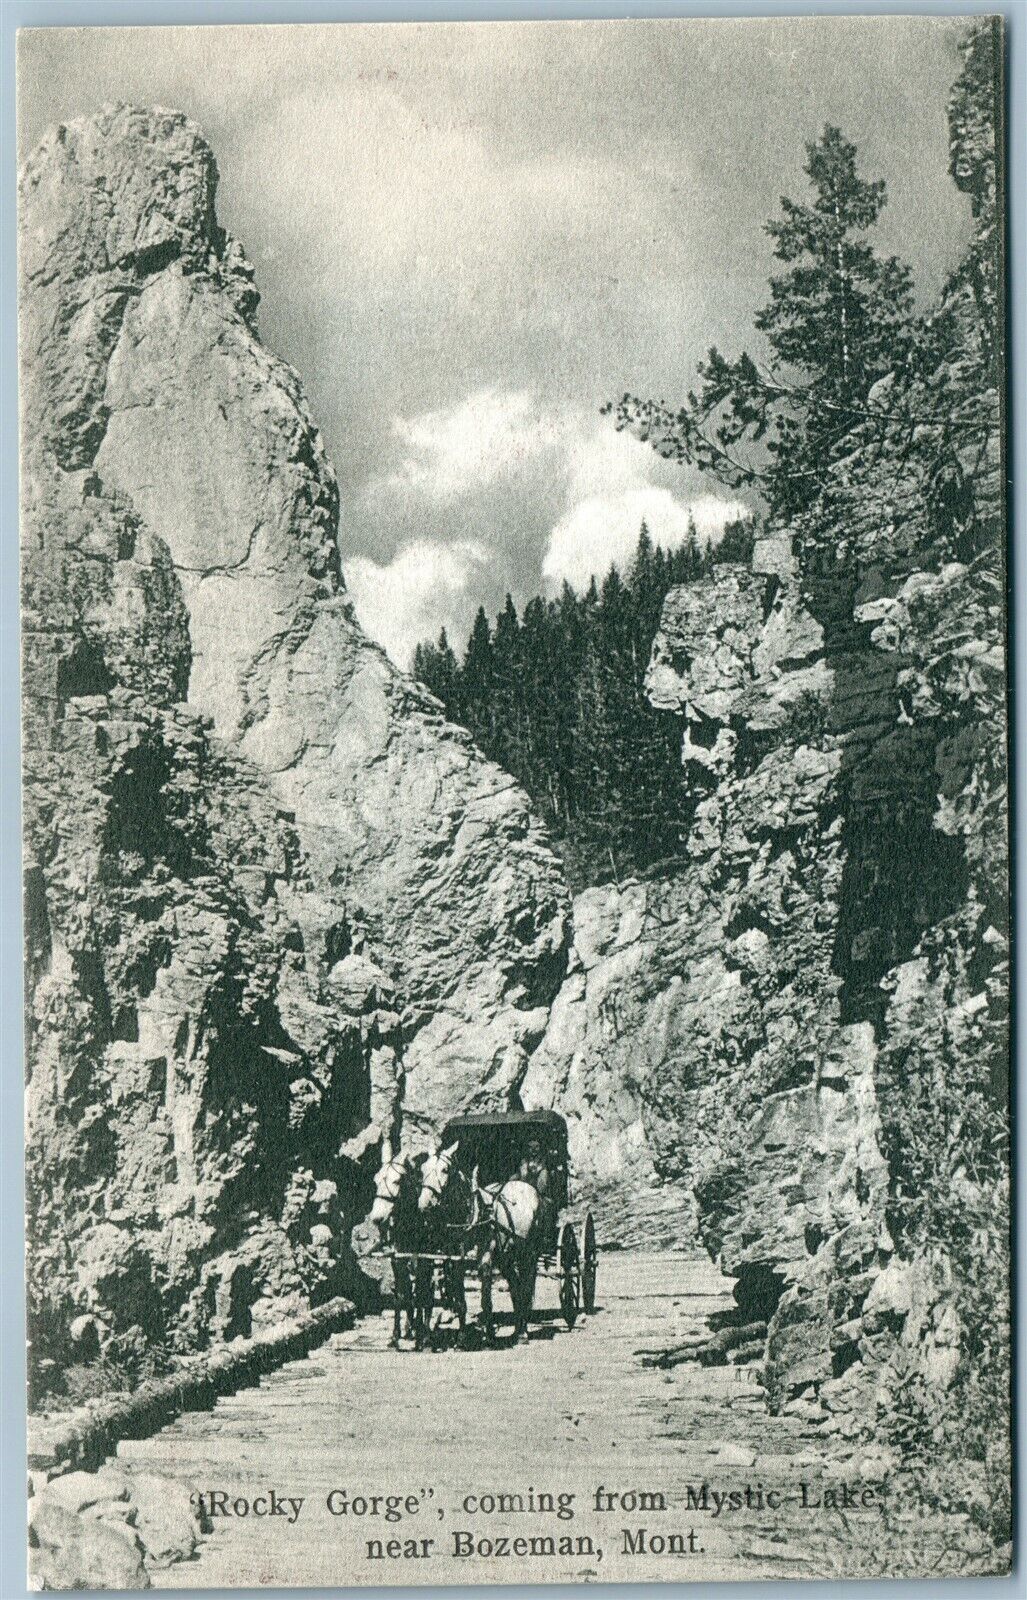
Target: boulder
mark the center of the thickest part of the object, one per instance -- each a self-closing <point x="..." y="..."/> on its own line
<point x="167" y="1521"/>
<point x="67" y="1551"/>
<point x="74" y="1491"/>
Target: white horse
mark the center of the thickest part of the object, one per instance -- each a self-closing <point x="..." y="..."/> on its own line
<point x="511" y="1213"/>
<point x="514" y="1211"/>
<point x="388" y="1182"/>
<point x="447" y="1210"/>
<point x="436" y="1173"/>
<point x="395" y="1214"/>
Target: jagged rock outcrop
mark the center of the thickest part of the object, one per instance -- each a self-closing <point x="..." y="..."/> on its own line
<point x="610" y="1029"/>
<point x="777" y="1024"/>
<point x="175" y="403"/>
<point x="272" y="893"/>
<point x="191" y="1073"/>
<point x="768" y="1100"/>
<point x="699" y="1040"/>
<point x="823" y="935"/>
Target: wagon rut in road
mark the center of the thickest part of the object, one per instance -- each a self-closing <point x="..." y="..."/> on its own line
<point x="570" y="1411"/>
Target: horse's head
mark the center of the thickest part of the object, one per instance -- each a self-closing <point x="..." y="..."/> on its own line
<point x="435" y="1175"/>
<point x="387" y="1185"/>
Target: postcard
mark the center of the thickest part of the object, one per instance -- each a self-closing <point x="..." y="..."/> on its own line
<point x="515" y="826"/>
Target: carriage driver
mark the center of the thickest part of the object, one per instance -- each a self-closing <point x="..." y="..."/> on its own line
<point x="534" y="1169"/>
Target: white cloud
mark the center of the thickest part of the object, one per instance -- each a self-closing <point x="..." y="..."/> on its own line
<point x="424" y="588"/>
<point x="711" y="515"/>
<point x="495" y="434"/>
<point x="602" y="461"/>
<point x="517" y="494"/>
<point x="450" y="452"/>
<point x="604" y="529"/>
<point x="501" y="436"/>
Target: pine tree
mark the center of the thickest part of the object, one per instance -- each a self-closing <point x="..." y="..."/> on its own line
<point x="569" y="639"/>
<point x="686" y="561"/>
<point x="594" y="829"/>
<point x="661" y="572"/>
<point x="737" y="541"/>
<point x="837" y="314"/>
<point x="508" y="711"/>
<point x="424" y="666"/>
<point x="446" y="668"/>
<point x="540" y="690"/>
<point x="647" y="586"/>
<point x="477" y="683"/>
<point x="640" y="576"/>
<point x="837" y="320"/>
<point x="436" y="667"/>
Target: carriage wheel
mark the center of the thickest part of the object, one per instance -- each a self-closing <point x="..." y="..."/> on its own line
<point x="590" y="1259"/>
<point x="570" y="1275"/>
<point x="487" y="1319"/>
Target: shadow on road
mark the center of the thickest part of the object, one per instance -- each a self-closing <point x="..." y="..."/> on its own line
<point x="545" y="1326"/>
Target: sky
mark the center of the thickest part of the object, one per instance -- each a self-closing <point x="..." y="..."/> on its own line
<point x="470" y="237"/>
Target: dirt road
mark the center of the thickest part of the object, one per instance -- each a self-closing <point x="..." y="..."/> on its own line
<point x="574" y="1413"/>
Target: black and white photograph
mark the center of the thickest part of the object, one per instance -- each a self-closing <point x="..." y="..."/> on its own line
<point x="515" y="834"/>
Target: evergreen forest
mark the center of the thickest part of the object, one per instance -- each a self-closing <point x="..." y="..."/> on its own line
<point x="556" y="695"/>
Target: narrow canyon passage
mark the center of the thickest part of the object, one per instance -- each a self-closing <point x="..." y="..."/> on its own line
<point x="569" y="1412"/>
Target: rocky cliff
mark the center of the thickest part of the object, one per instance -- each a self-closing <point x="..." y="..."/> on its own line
<point x="713" y="997"/>
<point x="272" y="894"/>
<point x="792" y="1017"/>
<point x="832" y="1081"/>
<point x="769" y="1102"/>
<point x="829" y="969"/>
<point x="807" y="1021"/>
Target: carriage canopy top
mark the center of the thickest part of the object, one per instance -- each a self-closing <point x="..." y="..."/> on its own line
<point x="495" y="1142"/>
<point x="508" y="1119"/>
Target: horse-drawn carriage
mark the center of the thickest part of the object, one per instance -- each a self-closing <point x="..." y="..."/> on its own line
<point x="489" y="1201"/>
